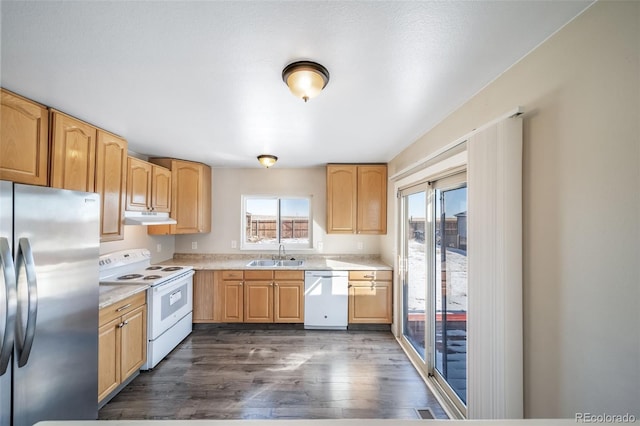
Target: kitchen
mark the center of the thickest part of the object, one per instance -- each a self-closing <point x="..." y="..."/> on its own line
<point x="546" y="97"/>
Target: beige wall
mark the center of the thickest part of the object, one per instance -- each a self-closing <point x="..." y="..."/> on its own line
<point x="230" y="184"/>
<point x="136" y="237"/>
<point x="581" y="95"/>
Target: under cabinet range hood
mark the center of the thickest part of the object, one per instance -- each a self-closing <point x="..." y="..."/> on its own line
<point x="148" y="218"/>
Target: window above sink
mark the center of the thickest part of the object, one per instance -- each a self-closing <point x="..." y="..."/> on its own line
<point x="271" y="221"/>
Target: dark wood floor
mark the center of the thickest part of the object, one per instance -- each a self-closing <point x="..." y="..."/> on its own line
<point x="221" y="373"/>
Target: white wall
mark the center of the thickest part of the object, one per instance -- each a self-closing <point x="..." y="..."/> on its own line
<point x="230" y="184"/>
<point x="581" y="166"/>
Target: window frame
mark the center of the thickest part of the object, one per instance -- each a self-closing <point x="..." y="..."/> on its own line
<point x="244" y="245"/>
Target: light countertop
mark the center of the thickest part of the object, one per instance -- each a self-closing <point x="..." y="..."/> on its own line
<point x="113" y="293"/>
<point x="311" y="263"/>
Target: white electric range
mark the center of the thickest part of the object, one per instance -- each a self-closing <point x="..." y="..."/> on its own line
<point x="169" y="300"/>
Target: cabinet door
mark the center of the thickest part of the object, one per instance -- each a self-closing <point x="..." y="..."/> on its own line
<point x="161" y="189"/>
<point x="370" y="302"/>
<point x="372" y="199"/>
<point x="203" y="296"/>
<point x="108" y="358"/>
<point x="73" y="154"/>
<point x="134" y="341"/>
<point x="138" y="185"/>
<point x="289" y="301"/>
<point x="258" y="301"/>
<point x="24" y="140"/>
<point x="341" y="199"/>
<point x="187" y="186"/>
<point x="111" y="184"/>
<point x="233" y="301"/>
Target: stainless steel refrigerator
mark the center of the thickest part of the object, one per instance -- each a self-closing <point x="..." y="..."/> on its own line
<point x="49" y="241"/>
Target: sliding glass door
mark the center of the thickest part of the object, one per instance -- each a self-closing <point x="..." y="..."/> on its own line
<point x="450" y="290"/>
<point x="434" y="260"/>
<point x="414" y="286"/>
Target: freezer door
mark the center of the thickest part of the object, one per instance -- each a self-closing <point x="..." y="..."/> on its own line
<point x="59" y="231"/>
<point x="6" y="334"/>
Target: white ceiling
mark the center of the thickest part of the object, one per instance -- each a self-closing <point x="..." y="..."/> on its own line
<point x="201" y="80"/>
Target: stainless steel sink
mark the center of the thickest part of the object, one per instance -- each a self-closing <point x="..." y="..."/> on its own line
<point x="290" y="262"/>
<point x="262" y="263"/>
<point x="265" y="263"/>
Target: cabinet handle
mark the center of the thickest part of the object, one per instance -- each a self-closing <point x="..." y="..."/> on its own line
<point x="122" y="308"/>
<point x="369" y="276"/>
<point x="350" y="285"/>
<point x="122" y="324"/>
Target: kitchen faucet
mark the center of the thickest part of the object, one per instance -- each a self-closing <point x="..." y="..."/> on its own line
<point x="281" y="252"/>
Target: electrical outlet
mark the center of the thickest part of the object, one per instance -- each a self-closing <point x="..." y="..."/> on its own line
<point x="158" y="248"/>
<point x="360" y="245"/>
<point x="234" y="244"/>
<point x="320" y="245"/>
<point x="194" y="245"/>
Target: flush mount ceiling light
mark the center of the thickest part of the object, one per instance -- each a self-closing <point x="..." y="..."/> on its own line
<point x="267" y="160"/>
<point x="305" y="79"/>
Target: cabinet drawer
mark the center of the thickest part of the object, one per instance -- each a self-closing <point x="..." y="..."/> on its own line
<point x="258" y="275"/>
<point x="370" y="275"/>
<point x="122" y="307"/>
<point x="232" y="275"/>
<point x="288" y="275"/>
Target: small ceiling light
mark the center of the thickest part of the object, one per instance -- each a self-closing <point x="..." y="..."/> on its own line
<point x="267" y="160"/>
<point x="305" y="79"/>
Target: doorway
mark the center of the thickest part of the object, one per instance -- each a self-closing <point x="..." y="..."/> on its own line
<point x="434" y="284"/>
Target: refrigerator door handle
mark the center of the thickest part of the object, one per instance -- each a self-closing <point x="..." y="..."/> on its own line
<point x="25" y="337"/>
<point x="9" y="272"/>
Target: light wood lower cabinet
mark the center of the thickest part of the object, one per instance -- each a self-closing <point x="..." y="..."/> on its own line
<point x="288" y="297"/>
<point x="370" y="297"/>
<point x="203" y="296"/>
<point x="252" y="296"/>
<point x="229" y="304"/>
<point x="122" y="342"/>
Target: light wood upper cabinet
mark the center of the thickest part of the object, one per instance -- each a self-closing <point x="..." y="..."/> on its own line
<point x="342" y="197"/>
<point x="73" y="147"/>
<point x="372" y="199"/>
<point x="190" y="197"/>
<point x="111" y="184"/>
<point x="24" y="140"/>
<point x="148" y="186"/>
<point x="138" y="185"/>
<point x="160" y="189"/>
<point x="357" y="199"/>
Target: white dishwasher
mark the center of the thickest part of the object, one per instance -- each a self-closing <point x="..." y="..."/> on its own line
<point x="326" y="300"/>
